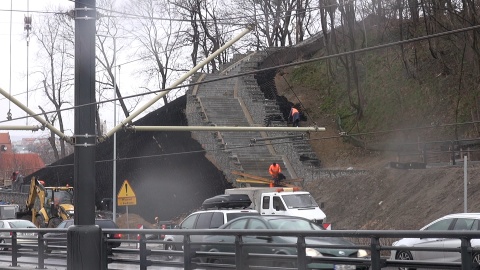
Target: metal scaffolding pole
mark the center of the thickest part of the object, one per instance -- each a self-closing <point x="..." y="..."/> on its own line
<point x="224" y="128"/>
<point x="32" y="128"/>
<point x="34" y="115"/>
<point x="176" y="83"/>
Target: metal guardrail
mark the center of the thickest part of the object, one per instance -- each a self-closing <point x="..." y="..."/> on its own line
<point x="157" y="256"/>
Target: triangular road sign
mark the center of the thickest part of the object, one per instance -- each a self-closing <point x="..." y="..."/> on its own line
<point x="126" y="195"/>
<point x="126" y="190"/>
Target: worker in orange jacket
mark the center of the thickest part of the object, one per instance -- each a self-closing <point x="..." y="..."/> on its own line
<point x="295" y="115"/>
<point x="275" y="171"/>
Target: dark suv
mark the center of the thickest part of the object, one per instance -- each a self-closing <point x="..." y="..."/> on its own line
<point x="60" y="238"/>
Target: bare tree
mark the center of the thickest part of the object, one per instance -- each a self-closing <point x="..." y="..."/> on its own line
<point x="108" y="48"/>
<point x="159" y="40"/>
<point x="57" y="73"/>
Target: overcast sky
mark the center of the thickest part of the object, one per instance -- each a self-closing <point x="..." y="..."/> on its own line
<point x="13" y="67"/>
<point x="13" y="59"/>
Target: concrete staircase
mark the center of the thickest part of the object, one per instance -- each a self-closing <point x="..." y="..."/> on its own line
<point x="239" y="102"/>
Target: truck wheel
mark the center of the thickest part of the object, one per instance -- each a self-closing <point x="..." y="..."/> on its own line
<point x="40" y="221"/>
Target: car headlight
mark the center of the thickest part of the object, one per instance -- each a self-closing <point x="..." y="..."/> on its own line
<point x="71" y="212"/>
<point x="312" y="252"/>
<point x="362" y="253"/>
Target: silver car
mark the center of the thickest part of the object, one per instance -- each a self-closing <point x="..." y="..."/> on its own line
<point x="206" y="219"/>
<point x="29" y="238"/>
<point x="455" y="222"/>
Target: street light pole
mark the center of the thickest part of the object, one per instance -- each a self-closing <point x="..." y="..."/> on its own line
<point x="84" y="239"/>
<point x="114" y="181"/>
<point x="114" y="172"/>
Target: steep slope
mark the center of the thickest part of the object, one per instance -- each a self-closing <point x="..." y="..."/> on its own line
<point x="406" y="119"/>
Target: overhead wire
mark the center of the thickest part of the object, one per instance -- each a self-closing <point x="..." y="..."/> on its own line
<point x="9" y="113"/>
<point x="227" y="19"/>
<point x="249" y="145"/>
<point x="321" y="58"/>
<point x="302" y="62"/>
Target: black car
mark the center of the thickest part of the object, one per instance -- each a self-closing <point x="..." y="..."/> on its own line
<point x="60" y="238"/>
<point x="284" y="245"/>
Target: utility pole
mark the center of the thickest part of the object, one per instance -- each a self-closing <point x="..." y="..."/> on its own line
<point x="84" y="239"/>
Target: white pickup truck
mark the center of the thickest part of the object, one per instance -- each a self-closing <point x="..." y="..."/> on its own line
<point x="282" y="201"/>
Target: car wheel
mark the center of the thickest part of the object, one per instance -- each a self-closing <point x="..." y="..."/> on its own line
<point x="3" y="248"/>
<point x="476" y="259"/>
<point x="214" y="261"/>
<point x="404" y="255"/>
<point x="170" y="247"/>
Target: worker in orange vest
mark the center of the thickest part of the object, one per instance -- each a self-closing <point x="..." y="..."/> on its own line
<point x="295" y="115"/>
<point x="274" y="171"/>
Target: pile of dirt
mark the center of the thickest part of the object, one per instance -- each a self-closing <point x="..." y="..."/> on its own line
<point x="133" y="221"/>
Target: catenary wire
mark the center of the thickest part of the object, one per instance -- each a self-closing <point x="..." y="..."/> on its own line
<point x="243" y="147"/>
<point x="321" y="58"/>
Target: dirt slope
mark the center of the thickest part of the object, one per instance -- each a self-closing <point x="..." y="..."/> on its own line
<point x="383" y="198"/>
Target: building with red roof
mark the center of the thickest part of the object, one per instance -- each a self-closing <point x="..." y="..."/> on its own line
<point x="5" y="143"/>
<point x="10" y="162"/>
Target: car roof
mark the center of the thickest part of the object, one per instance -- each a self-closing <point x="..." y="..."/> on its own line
<point x="267" y="218"/>
<point x="99" y="221"/>
<point x="463" y="215"/>
<point x="273" y="217"/>
<point x="18" y="221"/>
<point x="455" y="215"/>
<point x="227" y="211"/>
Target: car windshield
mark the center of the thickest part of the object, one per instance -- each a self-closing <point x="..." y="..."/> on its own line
<point x="21" y="224"/>
<point x="294" y="224"/>
<point x="299" y="201"/>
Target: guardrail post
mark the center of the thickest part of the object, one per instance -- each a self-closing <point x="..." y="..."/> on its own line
<point x="41" y="252"/>
<point x="375" y="254"/>
<point x="240" y="256"/>
<point x="187" y="253"/>
<point x="466" y="253"/>
<point x="14" y="249"/>
<point x="301" y="253"/>
<point x="143" y="252"/>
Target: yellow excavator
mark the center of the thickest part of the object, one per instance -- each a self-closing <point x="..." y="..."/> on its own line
<point x="46" y="207"/>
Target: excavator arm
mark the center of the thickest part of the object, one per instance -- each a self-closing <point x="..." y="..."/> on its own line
<point x="36" y="190"/>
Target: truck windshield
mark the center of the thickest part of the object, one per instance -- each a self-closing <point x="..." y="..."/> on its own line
<point x="61" y="196"/>
<point x="299" y="201"/>
<point x="64" y="197"/>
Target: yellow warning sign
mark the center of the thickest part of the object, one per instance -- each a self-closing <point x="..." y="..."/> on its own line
<point x="126" y="195"/>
